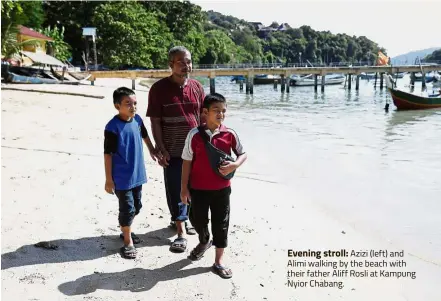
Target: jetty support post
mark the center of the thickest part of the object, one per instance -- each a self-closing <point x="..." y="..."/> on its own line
<point x="381" y="80"/>
<point x="212" y="82"/>
<point x="412" y="78"/>
<point x="315" y="82"/>
<point x="282" y="83"/>
<point x="349" y="81"/>
<point x="251" y="80"/>
<point x="275" y="85"/>
<point x="423" y="81"/>
<point x="323" y="82"/>
<point x="241" y="85"/>
<point x="288" y="82"/>
<point x="375" y="83"/>
<point x="357" y="82"/>
<point x="252" y="85"/>
<point x="247" y="84"/>
<point x="133" y="78"/>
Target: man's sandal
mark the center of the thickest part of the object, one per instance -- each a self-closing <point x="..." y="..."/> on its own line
<point x="128" y="252"/>
<point x="198" y="252"/>
<point x="222" y="271"/>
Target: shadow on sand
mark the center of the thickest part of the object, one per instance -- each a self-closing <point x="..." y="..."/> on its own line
<point x="133" y="280"/>
<point x="86" y="248"/>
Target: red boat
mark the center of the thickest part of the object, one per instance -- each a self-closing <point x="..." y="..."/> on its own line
<point x="408" y="101"/>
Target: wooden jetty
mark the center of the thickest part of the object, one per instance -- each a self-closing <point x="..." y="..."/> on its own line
<point x="284" y="73"/>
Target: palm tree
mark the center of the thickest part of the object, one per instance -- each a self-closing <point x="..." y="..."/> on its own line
<point x="10" y="45"/>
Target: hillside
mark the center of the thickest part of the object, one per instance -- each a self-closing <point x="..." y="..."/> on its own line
<point x="410" y="57"/>
<point x="139" y="33"/>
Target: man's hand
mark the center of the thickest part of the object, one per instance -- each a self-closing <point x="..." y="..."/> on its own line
<point x="185" y="196"/>
<point x="110" y="187"/>
<point x="227" y="167"/>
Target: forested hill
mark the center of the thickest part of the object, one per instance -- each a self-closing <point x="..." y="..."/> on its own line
<point x="139" y="34"/>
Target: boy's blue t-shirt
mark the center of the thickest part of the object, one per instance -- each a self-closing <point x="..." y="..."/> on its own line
<point x="128" y="169"/>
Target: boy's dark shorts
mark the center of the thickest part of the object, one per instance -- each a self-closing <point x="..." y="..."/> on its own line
<point x="129" y="205"/>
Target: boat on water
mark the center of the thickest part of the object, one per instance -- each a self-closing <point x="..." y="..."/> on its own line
<point x="264" y="79"/>
<point x="399" y="74"/>
<point x="365" y="75"/>
<point x="330" y="79"/>
<point x="410" y="101"/>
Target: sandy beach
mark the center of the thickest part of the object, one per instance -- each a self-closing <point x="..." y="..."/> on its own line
<point x="53" y="190"/>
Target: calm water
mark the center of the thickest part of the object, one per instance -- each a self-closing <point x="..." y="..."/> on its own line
<point x="379" y="172"/>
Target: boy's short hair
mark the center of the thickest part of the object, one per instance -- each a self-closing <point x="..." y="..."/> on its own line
<point x="119" y="93"/>
<point x="213" y="98"/>
<point x="175" y="50"/>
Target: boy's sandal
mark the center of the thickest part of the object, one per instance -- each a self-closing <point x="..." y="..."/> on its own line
<point x="223" y="271"/>
<point x="198" y="252"/>
<point x="179" y="245"/>
<point x="128" y="252"/>
<point x="135" y="238"/>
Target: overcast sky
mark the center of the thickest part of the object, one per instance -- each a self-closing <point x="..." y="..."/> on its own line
<point x="398" y="26"/>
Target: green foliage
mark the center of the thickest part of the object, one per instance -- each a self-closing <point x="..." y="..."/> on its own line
<point x="139" y="33"/>
<point x="58" y="47"/>
<point x="129" y="35"/>
<point x="16" y="13"/>
<point x="435" y="56"/>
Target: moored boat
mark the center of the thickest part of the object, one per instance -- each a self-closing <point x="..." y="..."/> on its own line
<point x="309" y="80"/>
<point x="263" y="79"/>
<point x="408" y="101"/>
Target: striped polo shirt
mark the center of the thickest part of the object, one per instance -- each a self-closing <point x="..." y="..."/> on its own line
<point x="179" y="109"/>
<point x="202" y="176"/>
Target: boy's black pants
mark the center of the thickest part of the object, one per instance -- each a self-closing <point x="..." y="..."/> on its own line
<point x="218" y="202"/>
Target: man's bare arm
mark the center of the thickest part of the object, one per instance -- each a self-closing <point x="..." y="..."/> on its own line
<point x="157" y="132"/>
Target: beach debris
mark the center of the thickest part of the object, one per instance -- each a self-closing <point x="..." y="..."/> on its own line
<point x="261" y="285"/>
<point x="343" y="232"/>
<point x="46" y="245"/>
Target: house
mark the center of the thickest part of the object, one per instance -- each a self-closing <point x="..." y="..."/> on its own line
<point x="29" y="34"/>
<point x="35" y="53"/>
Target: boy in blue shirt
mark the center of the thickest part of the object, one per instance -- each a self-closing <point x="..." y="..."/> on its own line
<point x="124" y="163"/>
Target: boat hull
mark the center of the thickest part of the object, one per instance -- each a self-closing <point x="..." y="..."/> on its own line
<point x="407" y="101"/>
<point x="311" y="82"/>
<point x="21" y="79"/>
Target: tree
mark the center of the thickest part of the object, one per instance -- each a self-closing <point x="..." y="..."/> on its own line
<point x="434" y="56"/>
<point x="59" y="48"/>
<point x="128" y="35"/>
<point x="16" y="13"/>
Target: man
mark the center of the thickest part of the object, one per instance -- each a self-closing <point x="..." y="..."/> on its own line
<point x="174" y="108"/>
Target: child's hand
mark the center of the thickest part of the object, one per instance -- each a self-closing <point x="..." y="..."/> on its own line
<point x="185" y="196"/>
<point x="155" y="154"/>
<point x="227" y="167"/>
<point x="110" y="187"/>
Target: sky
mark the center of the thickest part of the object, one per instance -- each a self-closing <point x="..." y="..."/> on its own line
<point x="399" y="26"/>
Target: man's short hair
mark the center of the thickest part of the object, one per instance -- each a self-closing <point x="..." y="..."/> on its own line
<point x="213" y="98"/>
<point x="119" y="93"/>
<point x="175" y="50"/>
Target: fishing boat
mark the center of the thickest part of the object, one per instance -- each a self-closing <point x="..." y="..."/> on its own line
<point x="331" y="79"/>
<point x="80" y="75"/>
<point x="22" y="79"/>
<point x="409" y="101"/>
